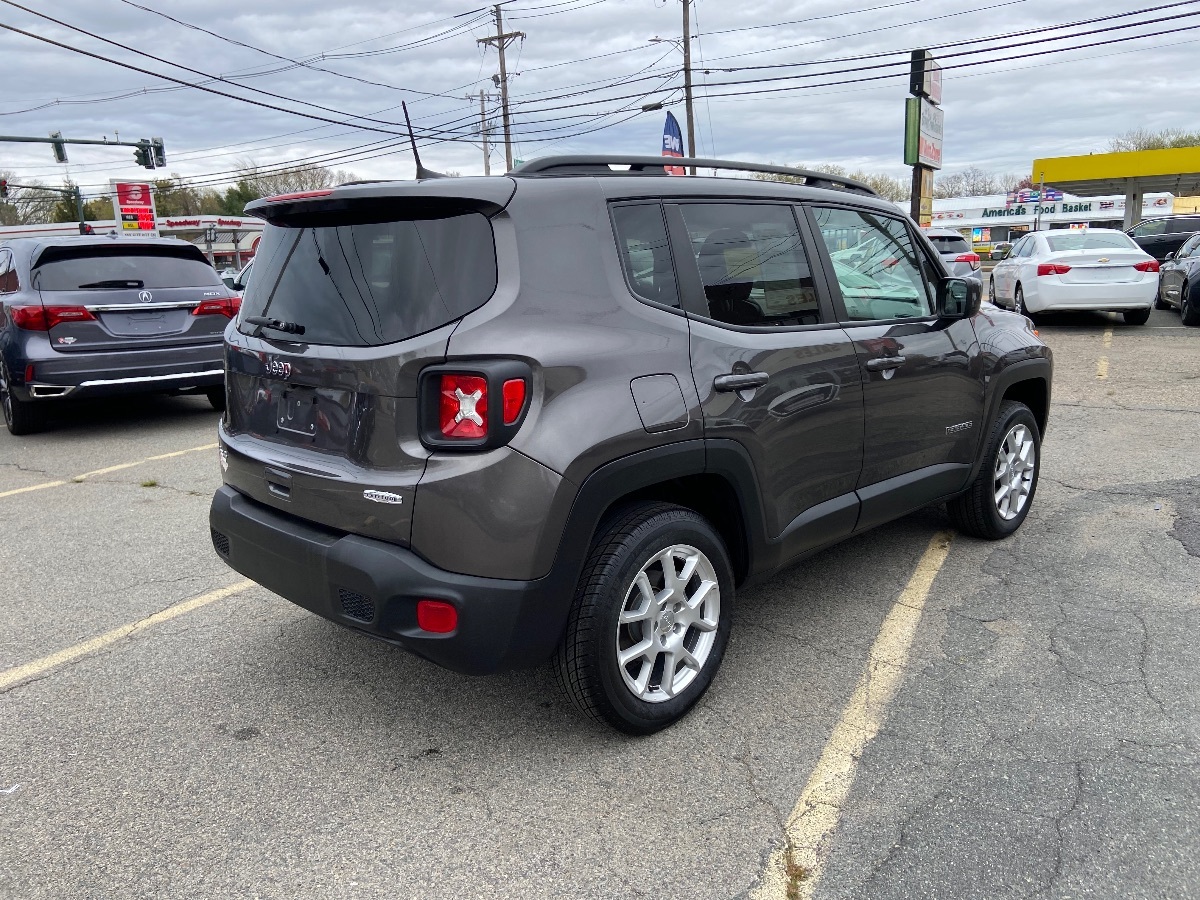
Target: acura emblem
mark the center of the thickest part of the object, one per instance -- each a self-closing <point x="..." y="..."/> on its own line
<point x="145" y="296"/>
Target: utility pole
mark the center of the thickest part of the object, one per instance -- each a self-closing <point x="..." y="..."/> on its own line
<point x="687" y="79"/>
<point x="484" y="130"/>
<point x="501" y="41"/>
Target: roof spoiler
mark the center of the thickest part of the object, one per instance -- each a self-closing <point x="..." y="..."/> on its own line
<point x="655" y="165"/>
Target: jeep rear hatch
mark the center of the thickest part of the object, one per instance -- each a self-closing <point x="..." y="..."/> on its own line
<point x="353" y="294"/>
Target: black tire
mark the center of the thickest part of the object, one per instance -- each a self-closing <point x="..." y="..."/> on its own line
<point x="21" y="416"/>
<point x="586" y="661"/>
<point x="1136" y="316"/>
<point x="216" y="397"/>
<point x="992" y="291"/>
<point x="975" y="512"/>
<point x="1159" y="302"/>
<point x="1189" y="305"/>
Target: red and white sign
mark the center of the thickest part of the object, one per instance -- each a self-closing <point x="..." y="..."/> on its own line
<point x="133" y="208"/>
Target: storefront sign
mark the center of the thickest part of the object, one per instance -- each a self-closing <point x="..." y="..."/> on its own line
<point x="923" y="124"/>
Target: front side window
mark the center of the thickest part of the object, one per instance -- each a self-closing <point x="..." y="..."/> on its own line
<point x="1189" y="247"/>
<point x="1154" y="226"/>
<point x="876" y="265"/>
<point x="752" y="264"/>
<point x="645" y="252"/>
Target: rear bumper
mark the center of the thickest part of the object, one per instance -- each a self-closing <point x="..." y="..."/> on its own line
<point x="57" y="375"/>
<point x="1048" y="294"/>
<point x="373" y="586"/>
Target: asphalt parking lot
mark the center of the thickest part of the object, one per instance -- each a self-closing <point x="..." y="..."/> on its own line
<point x="1040" y="736"/>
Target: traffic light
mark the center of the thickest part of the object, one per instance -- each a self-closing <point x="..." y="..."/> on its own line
<point x="60" y="148"/>
<point x="160" y="153"/>
<point x="3" y="188"/>
<point x="143" y="155"/>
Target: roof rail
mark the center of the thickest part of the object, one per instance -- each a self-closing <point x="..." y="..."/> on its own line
<point x="654" y="165"/>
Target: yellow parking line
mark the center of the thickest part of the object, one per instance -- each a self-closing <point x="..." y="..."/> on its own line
<point x="1102" y="367"/>
<point x="794" y="870"/>
<point x="105" y="471"/>
<point x="1108" y="337"/>
<point x="38" y="667"/>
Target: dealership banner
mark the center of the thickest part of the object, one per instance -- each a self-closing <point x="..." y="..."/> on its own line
<point x="672" y="143"/>
<point x="133" y="208"/>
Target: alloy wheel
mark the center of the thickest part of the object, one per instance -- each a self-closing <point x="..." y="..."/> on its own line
<point x="1016" y="461"/>
<point x="992" y="291"/>
<point x="5" y="396"/>
<point x="1019" y="301"/>
<point x="668" y="623"/>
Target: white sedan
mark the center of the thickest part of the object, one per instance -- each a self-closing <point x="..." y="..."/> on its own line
<point x="1059" y="271"/>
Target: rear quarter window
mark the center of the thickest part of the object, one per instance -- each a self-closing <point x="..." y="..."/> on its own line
<point x="374" y="283"/>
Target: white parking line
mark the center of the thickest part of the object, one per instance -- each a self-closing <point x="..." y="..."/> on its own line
<point x="18" y="674"/>
<point x="793" y="870"/>
<point x="104" y="471"/>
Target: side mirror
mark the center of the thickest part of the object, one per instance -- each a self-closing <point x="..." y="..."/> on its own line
<point x="229" y="281"/>
<point x="237" y="286"/>
<point x="959" y="298"/>
<point x="1170" y="256"/>
<point x="1002" y="253"/>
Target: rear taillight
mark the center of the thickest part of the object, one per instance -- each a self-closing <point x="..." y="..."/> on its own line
<point x="463" y="410"/>
<point x="1150" y="265"/>
<point x="1052" y="269"/>
<point x="972" y="258"/>
<point x="473" y="405"/>
<point x="43" y="318"/>
<point x="225" y="306"/>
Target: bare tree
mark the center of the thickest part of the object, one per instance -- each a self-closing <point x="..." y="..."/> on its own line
<point x="887" y="187"/>
<point x="1144" y="139"/>
<point x="28" y="204"/>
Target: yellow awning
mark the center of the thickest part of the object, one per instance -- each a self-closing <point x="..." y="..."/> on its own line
<point x="1176" y="171"/>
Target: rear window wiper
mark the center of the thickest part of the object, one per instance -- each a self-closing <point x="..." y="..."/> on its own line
<point x="262" y="322"/>
<point x="115" y="283"/>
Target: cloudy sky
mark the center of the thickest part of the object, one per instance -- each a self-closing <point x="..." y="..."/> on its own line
<point x="585" y="69"/>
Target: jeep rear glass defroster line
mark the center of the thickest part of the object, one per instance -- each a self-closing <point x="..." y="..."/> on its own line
<point x="359" y="285"/>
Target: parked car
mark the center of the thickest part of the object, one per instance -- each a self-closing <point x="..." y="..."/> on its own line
<point x="565" y="413"/>
<point x="1164" y="234"/>
<point x="88" y="316"/>
<point x="956" y="253"/>
<point x="1179" y="281"/>
<point x="1060" y="271"/>
<point x="1000" y="250"/>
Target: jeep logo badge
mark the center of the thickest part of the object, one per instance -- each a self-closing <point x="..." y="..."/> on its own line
<point x="383" y="497"/>
<point x="145" y="296"/>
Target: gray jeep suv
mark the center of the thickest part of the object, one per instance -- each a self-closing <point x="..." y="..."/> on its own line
<point x="564" y="413"/>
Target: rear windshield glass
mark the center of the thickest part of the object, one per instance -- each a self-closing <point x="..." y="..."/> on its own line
<point x="1089" y="241"/>
<point x="111" y="269"/>
<point x="362" y="285"/>
<point x="947" y="244"/>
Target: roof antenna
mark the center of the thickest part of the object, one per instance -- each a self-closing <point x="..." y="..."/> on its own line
<point x="422" y="172"/>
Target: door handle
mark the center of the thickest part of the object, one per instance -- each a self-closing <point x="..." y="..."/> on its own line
<point x="884" y="363"/>
<point x="740" y="382"/>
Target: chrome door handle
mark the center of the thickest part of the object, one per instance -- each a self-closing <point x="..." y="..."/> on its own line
<point x="740" y="382"/>
<point x="884" y="363"/>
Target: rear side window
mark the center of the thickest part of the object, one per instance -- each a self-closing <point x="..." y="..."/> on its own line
<point x="947" y="244"/>
<point x="752" y="263"/>
<point x="1082" y="240"/>
<point x="101" y="268"/>
<point x="645" y="252"/>
<point x="1183" y="226"/>
<point x="360" y="285"/>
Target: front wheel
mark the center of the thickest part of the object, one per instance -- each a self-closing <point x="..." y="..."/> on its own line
<point x="650" y="620"/>
<point x="998" y="500"/>
<point x="1136" y="316"/>
<point x="216" y="397"/>
<point x="1189" y="306"/>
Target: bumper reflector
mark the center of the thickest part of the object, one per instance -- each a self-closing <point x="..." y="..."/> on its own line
<point x="436" y="616"/>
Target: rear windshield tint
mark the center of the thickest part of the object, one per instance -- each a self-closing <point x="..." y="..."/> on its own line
<point x="361" y="285"/>
<point x="113" y="268"/>
<point x="945" y="244"/>
<point x="1083" y="241"/>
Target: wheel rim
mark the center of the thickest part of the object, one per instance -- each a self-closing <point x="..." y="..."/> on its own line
<point x="1016" y="462"/>
<point x="992" y="290"/>
<point x="668" y="623"/>
<point x="1019" y="301"/>
<point x="5" y="397"/>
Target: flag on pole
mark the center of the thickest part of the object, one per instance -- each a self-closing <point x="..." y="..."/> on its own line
<point x="672" y="143"/>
